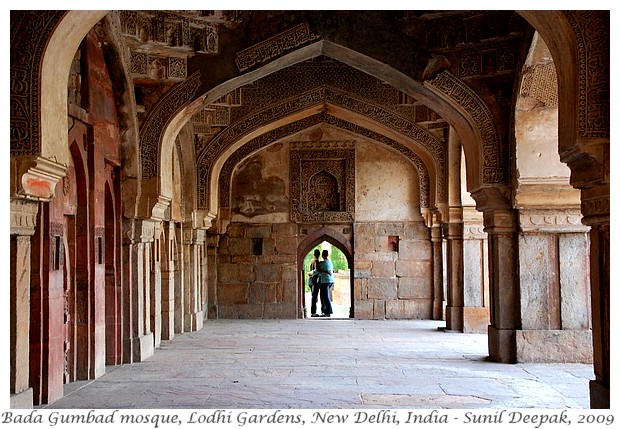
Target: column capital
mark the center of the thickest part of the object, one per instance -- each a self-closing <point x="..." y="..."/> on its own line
<point x="595" y="204"/>
<point x="23" y="216"/>
<point x="502" y="221"/>
<point x="202" y="219"/>
<point x="492" y="198"/>
<point x="453" y="230"/>
<point x="193" y="235"/>
<point x="552" y="220"/>
<point x="138" y="230"/>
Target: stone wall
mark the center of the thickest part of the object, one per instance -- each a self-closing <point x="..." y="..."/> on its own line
<point x="257" y="271"/>
<point x="393" y="280"/>
<point x="258" y="252"/>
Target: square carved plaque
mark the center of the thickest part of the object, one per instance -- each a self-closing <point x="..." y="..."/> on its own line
<point x="323" y="181"/>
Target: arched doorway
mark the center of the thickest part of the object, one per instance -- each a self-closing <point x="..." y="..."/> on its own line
<point x="341" y="294"/>
<point x="326" y="238"/>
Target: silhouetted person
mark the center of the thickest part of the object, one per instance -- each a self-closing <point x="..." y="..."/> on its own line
<point x="313" y="277"/>
<point x="325" y="269"/>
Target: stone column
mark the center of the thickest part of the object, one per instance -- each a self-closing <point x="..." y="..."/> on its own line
<point x="555" y="290"/>
<point x="155" y="286"/>
<point x="438" y="298"/>
<point x="501" y="226"/>
<point x="475" y="273"/>
<point x="453" y="233"/>
<point x="138" y="233"/>
<point x="595" y="207"/>
<point x="179" y="283"/>
<point x="212" y="243"/>
<point x="23" y="221"/>
<point x="168" y="266"/>
<point x="192" y="243"/>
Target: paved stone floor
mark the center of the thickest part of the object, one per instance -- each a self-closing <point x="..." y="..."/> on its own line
<point x="329" y="363"/>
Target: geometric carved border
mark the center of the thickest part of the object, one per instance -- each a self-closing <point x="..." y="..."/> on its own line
<point x="157" y="121"/>
<point x="495" y="161"/>
<point x="266" y="139"/>
<point x="336" y="158"/>
<point x="243" y="126"/>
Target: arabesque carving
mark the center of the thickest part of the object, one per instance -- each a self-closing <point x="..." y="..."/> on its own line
<point x="151" y="131"/>
<point x="274" y="46"/>
<point x="289" y="129"/>
<point x="593" y="56"/>
<point x="495" y="161"/>
<point x="336" y="170"/>
<point x="30" y="33"/>
<point x="541" y="83"/>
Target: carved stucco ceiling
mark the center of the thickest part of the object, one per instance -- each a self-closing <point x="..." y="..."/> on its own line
<point x="481" y="48"/>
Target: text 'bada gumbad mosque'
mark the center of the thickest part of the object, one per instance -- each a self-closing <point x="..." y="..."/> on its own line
<point x="173" y="167"/>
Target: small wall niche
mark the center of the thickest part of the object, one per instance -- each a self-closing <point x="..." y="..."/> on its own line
<point x="257" y="246"/>
<point x="393" y="243"/>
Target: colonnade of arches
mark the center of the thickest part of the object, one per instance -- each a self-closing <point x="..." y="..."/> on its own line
<point x="116" y="227"/>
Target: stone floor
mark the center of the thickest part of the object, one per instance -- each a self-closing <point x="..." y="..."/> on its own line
<point x="329" y="363"/>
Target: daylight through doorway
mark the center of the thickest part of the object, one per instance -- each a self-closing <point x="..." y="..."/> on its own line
<point x="340" y="294"/>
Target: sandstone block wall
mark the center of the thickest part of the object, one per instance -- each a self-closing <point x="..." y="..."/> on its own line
<point x="392" y="283"/>
<point x="257" y="272"/>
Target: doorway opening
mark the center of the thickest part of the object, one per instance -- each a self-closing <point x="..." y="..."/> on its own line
<point x="341" y="292"/>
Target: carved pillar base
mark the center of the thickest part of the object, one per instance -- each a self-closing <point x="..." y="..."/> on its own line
<point x="22" y="400"/>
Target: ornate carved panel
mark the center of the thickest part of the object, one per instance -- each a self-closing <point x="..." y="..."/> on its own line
<point x="30" y="33"/>
<point x="592" y="33"/>
<point x="322" y="181"/>
<point x="156" y="66"/>
<point x="268" y="138"/>
<point x="169" y="30"/>
<point x="151" y="130"/>
<point x="495" y="161"/>
<point x="274" y="46"/>
<point x="541" y="83"/>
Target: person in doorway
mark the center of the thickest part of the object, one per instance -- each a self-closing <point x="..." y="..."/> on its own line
<point x="313" y="283"/>
<point x="325" y="269"/>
